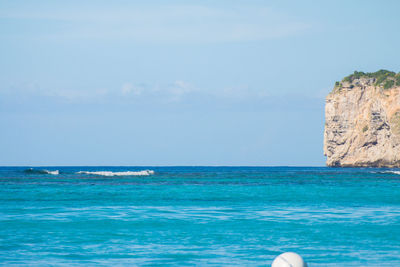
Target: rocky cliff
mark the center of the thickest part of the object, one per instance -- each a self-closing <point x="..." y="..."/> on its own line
<point x="362" y="121"/>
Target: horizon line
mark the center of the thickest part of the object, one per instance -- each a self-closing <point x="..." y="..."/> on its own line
<point x="272" y="166"/>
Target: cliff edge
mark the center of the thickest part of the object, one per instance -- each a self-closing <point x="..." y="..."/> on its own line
<point x="362" y="121"/>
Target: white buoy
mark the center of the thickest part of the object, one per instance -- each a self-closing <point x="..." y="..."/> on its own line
<point x="289" y="259"/>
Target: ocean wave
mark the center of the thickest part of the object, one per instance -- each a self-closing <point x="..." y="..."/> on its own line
<point x="35" y="171"/>
<point x="394" y="172"/>
<point x="126" y="173"/>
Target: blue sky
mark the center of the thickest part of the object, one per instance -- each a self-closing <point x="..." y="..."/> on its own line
<point x="180" y="82"/>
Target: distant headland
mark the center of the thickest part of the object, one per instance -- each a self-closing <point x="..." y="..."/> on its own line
<point x="362" y="121"/>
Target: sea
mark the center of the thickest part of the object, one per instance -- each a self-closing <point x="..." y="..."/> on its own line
<point x="198" y="216"/>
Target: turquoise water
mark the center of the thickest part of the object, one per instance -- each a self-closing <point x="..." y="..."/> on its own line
<point x="199" y="216"/>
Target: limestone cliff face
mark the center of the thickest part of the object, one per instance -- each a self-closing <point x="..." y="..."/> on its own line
<point x="362" y="123"/>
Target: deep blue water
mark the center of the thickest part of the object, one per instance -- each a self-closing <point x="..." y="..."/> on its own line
<point x="199" y="216"/>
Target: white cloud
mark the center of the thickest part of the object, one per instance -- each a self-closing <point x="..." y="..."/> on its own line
<point x="241" y="92"/>
<point x="171" y="92"/>
<point x="180" y="88"/>
<point x="177" y="90"/>
<point x="77" y="95"/>
<point x="174" y="92"/>
<point x="130" y="89"/>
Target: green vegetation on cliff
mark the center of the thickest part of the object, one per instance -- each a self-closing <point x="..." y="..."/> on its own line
<point x="385" y="78"/>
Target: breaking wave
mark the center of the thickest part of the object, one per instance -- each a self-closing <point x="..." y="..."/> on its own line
<point x="34" y="171"/>
<point x="394" y="172"/>
<point x="127" y="173"/>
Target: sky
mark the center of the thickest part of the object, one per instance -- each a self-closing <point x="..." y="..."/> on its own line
<point x="150" y="83"/>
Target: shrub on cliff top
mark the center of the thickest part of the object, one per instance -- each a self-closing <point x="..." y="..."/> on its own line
<point x="355" y="75"/>
<point x="397" y="79"/>
<point x="388" y="84"/>
<point x="380" y="76"/>
<point x="384" y="78"/>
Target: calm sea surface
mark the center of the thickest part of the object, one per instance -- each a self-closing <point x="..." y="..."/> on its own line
<point x="216" y="216"/>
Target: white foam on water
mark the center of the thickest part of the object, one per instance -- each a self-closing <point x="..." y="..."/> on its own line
<point x="56" y="172"/>
<point x="127" y="173"/>
<point x="395" y="172"/>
